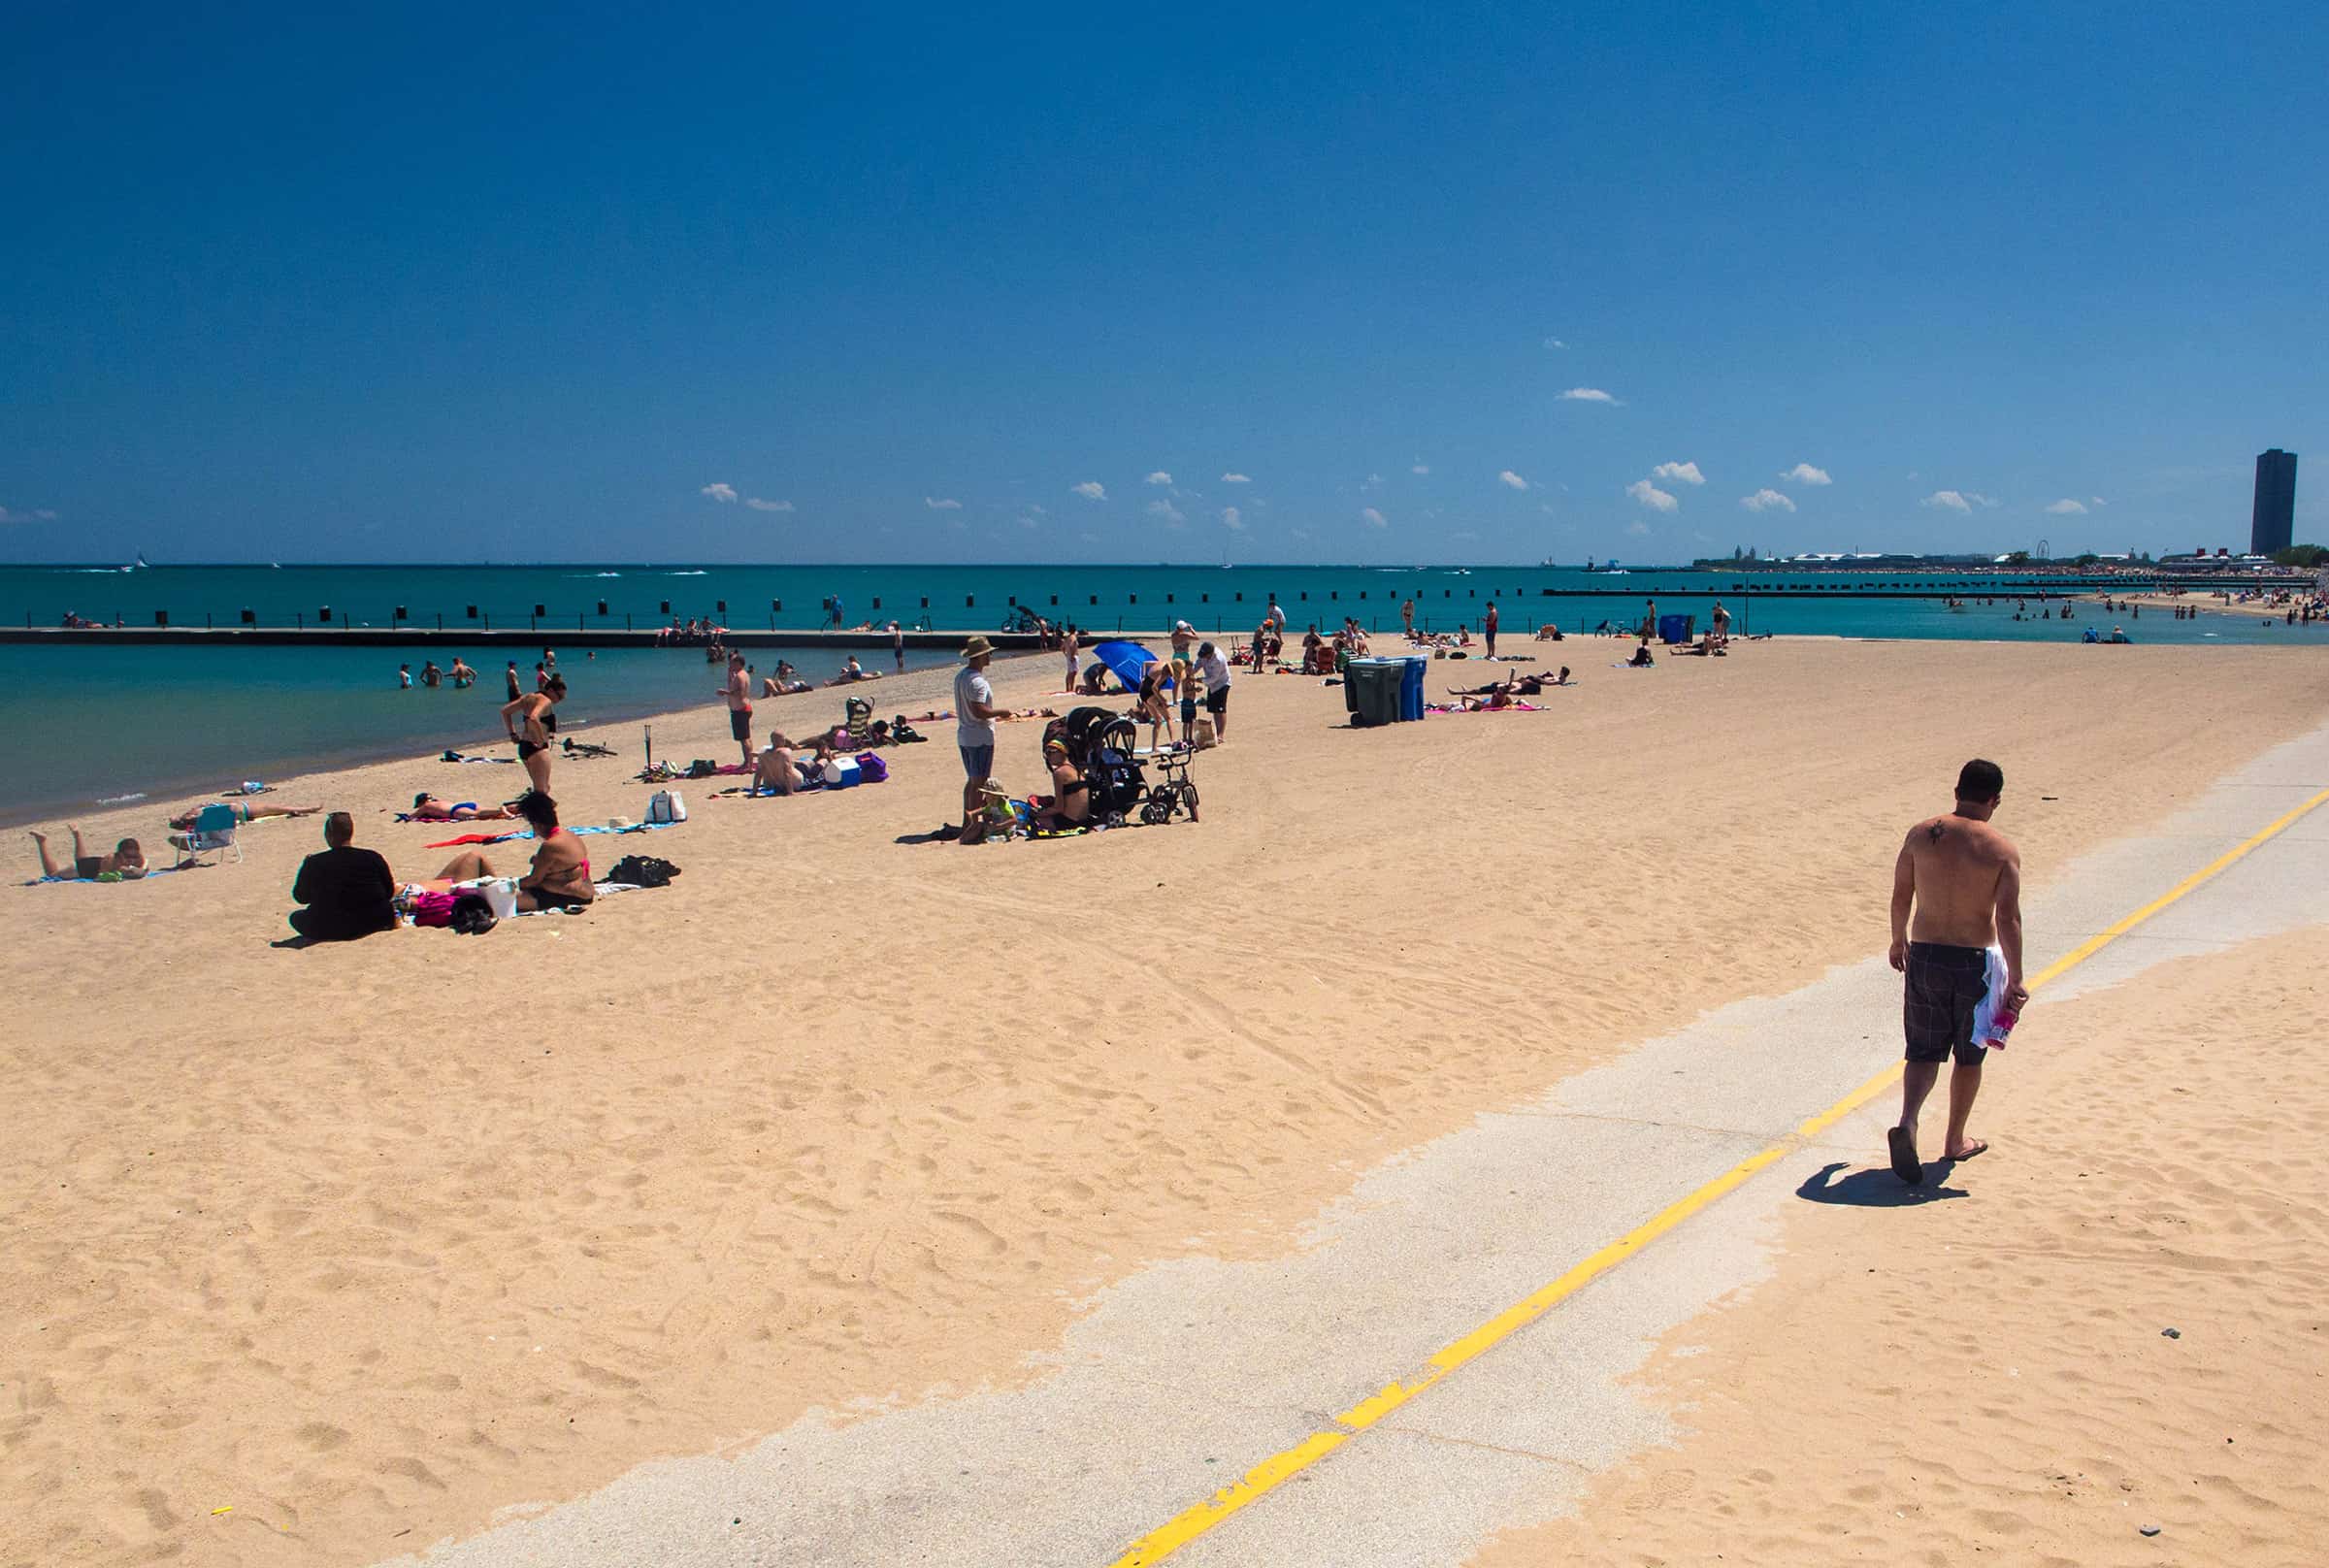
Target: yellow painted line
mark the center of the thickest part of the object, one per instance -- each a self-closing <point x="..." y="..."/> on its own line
<point x="1274" y="1471"/>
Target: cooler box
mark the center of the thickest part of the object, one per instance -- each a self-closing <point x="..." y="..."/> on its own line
<point x="1677" y="629"/>
<point x="842" y="773"/>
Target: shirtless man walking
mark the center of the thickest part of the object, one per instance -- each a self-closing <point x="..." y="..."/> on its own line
<point x="1963" y="879"/>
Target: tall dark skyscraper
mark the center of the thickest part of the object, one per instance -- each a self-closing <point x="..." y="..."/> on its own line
<point x="2271" y="525"/>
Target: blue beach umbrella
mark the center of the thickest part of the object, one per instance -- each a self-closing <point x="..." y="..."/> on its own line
<point x="1126" y="660"/>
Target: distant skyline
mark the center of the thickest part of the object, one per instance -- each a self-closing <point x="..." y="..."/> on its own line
<point x="1478" y="283"/>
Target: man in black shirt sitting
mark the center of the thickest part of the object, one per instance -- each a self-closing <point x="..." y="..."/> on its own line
<point x="347" y="890"/>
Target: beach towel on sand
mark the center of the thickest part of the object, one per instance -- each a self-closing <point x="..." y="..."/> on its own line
<point x="528" y="832"/>
<point x="159" y="870"/>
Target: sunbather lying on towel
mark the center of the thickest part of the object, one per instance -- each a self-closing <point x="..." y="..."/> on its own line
<point x="558" y="877"/>
<point x="426" y="807"/>
<point x="244" y="811"/>
<point x="1518" y="685"/>
<point x="126" y="860"/>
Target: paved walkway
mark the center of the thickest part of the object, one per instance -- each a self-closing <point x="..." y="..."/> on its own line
<point x="1188" y="1374"/>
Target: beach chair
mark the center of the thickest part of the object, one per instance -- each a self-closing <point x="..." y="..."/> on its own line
<point x="858" y="721"/>
<point x="214" y="829"/>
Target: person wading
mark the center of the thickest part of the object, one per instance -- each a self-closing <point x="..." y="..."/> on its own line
<point x="1956" y="888"/>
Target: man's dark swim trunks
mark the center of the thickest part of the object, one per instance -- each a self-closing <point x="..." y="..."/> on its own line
<point x="1945" y="983"/>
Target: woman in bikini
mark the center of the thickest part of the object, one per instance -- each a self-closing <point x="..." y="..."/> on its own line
<point x="527" y="719"/>
<point x="244" y="811"/>
<point x="558" y="877"/>
<point x="1153" y="710"/>
<point x="126" y="860"/>
<point x="426" y="807"/>
<point x="1070" y="804"/>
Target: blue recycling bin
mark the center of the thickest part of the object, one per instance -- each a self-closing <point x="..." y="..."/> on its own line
<point x="1411" y="690"/>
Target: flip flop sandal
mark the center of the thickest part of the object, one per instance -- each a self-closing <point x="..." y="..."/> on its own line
<point x="1905" y="1164"/>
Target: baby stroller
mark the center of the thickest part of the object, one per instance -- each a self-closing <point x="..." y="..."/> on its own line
<point x="1100" y="742"/>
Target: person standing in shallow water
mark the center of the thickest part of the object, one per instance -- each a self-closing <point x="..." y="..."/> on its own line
<point x="1956" y="886"/>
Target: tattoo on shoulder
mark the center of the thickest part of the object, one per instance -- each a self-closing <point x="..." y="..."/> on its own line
<point x="1934" y="830"/>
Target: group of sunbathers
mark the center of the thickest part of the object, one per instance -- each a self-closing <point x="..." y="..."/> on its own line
<point x="1501" y="694"/>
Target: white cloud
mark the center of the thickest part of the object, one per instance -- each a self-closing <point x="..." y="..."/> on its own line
<point x="1949" y="499"/>
<point x="1765" y="499"/>
<point x="718" y="492"/>
<point x="1513" y="480"/>
<point x="1687" y="473"/>
<point x="1159" y="478"/>
<point x="1651" y="496"/>
<point x="1586" y="394"/>
<point x="1091" y="490"/>
<point x="1421" y="467"/>
<point x="1638" y="528"/>
<point x="941" y="504"/>
<point x="1037" y="511"/>
<point x="2098" y="500"/>
<point x="1027" y="523"/>
<point x="1235" y="478"/>
<point x="1232" y="519"/>
<point x="1374" y="518"/>
<point x="1980" y="499"/>
<point x="1166" y="510"/>
<point x="2067" y="507"/>
<point x="48" y="516"/>
<point x="1555" y="343"/>
<point x="1373" y="481"/>
<point x="1805" y="474"/>
<point x="758" y="505"/>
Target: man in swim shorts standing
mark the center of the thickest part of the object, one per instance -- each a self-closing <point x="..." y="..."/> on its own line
<point x="1962" y="878"/>
<point x="738" y="692"/>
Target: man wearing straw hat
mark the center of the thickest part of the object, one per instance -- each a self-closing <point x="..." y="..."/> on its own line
<point x="974" y="716"/>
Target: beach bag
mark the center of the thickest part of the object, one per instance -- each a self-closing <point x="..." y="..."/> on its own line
<point x="871" y="769"/>
<point x="703" y="768"/>
<point x="1201" y="735"/>
<point x="432" y="908"/>
<point x="471" y="914"/>
<point x="500" y="894"/>
<point x="665" y="806"/>
<point x="643" y="870"/>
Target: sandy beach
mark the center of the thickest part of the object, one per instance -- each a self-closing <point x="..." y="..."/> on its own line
<point x="2126" y="1334"/>
<point x="326" y="1255"/>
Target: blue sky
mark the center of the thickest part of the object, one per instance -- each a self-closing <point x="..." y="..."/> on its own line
<point x="449" y="283"/>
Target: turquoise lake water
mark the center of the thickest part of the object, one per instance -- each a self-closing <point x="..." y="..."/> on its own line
<point x="93" y="724"/>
